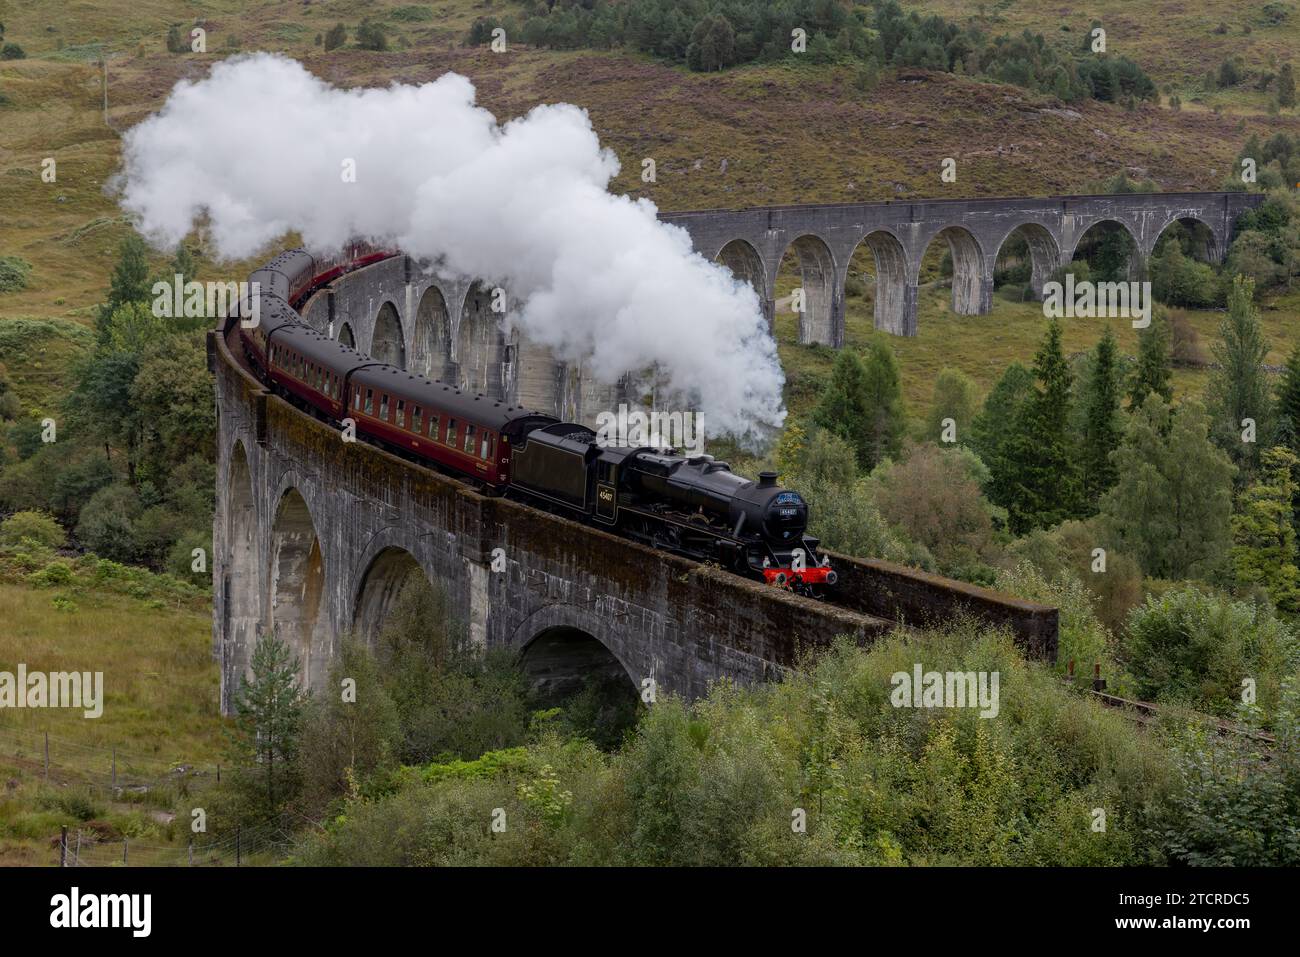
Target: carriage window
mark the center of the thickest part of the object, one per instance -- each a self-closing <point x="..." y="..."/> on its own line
<point x="484" y="451"/>
<point x="370" y="402"/>
<point x="356" y="400"/>
<point x="401" y="413"/>
<point x="433" y="425"/>
<point x="469" y="439"/>
<point x="383" y="407"/>
<point x="451" y="432"/>
<point x="416" y="424"/>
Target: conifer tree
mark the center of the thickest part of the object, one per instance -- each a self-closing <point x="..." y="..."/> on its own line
<point x="1286" y="86"/>
<point x="130" y="282"/>
<point x="1264" y="540"/>
<point x="1288" y="404"/>
<point x="1101" y="435"/>
<point x="862" y="404"/>
<point x="1238" y="396"/>
<point x="1042" y="480"/>
<point x="993" y="428"/>
<point x="887" y="419"/>
<point x="268" y="714"/>
<point x="955" y="399"/>
<point x="1154" y="364"/>
<point x="184" y="263"/>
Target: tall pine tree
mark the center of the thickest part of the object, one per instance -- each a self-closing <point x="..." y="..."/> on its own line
<point x="863" y="404"/>
<point x="1043" y="483"/>
<point x="1101" y="430"/>
<point x="884" y="395"/>
<point x="1264" y="540"/>
<point x="1238" y="396"/>
<point x="130" y="282"/>
<point x="1288" y="404"/>
<point x="994" y="427"/>
<point x="1154" y="364"/>
<point x="268" y="715"/>
<point x="842" y="409"/>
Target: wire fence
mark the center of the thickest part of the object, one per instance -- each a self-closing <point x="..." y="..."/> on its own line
<point x="79" y="847"/>
<point x="118" y="770"/>
<point x="124" y="776"/>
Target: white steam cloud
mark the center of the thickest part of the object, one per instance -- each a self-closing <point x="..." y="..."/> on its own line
<point x="259" y="147"/>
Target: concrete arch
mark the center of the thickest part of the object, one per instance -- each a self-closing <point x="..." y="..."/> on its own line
<point x="1204" y="243"/>
<point x="1133" y="234"/>
<point x="242" y="581"/>
<point x="972" y="276"/>
<point x="566" y="624"/>
<point x="386" y="575"/>
<point x="387" y="343"/>
<point x="431" y="343"/>
<point x="296" y="583"/>
<point x="484" y="356"/>
<point x="817" y="278"/>
<point x="746" y="264"/>
<point x="561" y="659"/>
<point x="895" y="306"/>
<point x="1044" y="253"/>
<point x="347" y="336"/>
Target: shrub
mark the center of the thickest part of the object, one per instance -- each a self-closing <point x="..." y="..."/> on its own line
<point x="180" y="559"/>
<point x="1237" y="806"/>
<point x="1195" y="648"/>
<point x="1082" y="637"/>
<point x="933" y="496"/>
<point x="336" y="37"/>
<point x="13" y="273"/>
<point x="107" y="523"/>
<point x="37" y="526"/>
<point x="715" y="782"/>
<point x="12" y="51"/>
<point x="54" y="574"/>
<point x="371" y="36"/>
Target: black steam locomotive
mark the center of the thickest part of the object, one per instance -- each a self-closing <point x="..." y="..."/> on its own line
<point x="694" y="506"/>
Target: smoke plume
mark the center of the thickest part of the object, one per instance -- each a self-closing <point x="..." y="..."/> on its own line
<point x="260" y="148"/>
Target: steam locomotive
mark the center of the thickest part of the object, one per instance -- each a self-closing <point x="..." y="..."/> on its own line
<point x="693" y="506"/>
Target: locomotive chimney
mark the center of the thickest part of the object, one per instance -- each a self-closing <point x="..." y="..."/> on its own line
<point x="766" y="479"/>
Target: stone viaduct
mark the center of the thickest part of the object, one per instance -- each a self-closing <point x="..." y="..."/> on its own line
<point x="752" y="242"/>
<point x="314" y="538"/>
<point x="403" y="313"/>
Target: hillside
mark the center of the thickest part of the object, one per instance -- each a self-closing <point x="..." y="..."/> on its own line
<point x="751" y="135"/>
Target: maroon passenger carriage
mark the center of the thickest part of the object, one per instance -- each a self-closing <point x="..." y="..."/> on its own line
<point x="694" y="506"/>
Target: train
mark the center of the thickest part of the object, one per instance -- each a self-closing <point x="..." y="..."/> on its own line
<point x="690" y="505"/>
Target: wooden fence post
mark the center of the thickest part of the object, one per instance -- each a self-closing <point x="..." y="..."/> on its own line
<point x="63" y="846"/>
